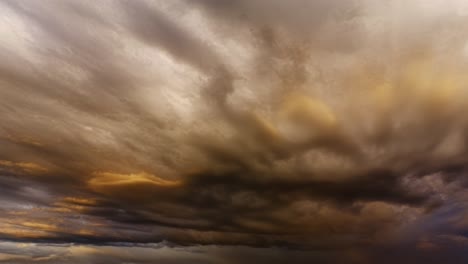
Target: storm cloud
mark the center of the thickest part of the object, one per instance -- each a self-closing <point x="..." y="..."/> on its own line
<point x="215" y="131"/>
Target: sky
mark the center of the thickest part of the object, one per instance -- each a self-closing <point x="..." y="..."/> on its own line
<point x="234" y="131"/>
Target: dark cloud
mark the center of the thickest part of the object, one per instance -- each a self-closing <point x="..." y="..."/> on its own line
<point x="234" y="131"/>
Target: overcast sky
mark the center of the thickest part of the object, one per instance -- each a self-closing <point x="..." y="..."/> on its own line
<point x="234" y="131"/>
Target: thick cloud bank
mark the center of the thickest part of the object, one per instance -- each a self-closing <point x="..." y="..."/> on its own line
<point x="208" y="130"/>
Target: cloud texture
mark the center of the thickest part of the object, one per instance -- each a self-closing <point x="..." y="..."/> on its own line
<point x="317" y="130"/>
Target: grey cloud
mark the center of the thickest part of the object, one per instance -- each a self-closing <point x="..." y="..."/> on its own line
<point x="314" y="125"/>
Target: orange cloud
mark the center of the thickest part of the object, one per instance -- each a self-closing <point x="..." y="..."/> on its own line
<point x="24" y="166"/>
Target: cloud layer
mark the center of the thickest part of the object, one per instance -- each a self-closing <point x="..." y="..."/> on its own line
<point x="321" y="126"/>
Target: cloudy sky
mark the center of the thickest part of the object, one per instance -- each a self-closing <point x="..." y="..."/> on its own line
<point x="234" y="131"/>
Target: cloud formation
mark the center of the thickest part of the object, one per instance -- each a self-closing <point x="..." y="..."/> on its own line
<point x="299" y="127"/>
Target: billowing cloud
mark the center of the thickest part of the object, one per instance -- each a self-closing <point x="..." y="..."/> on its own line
<point x="316" y="130"/>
